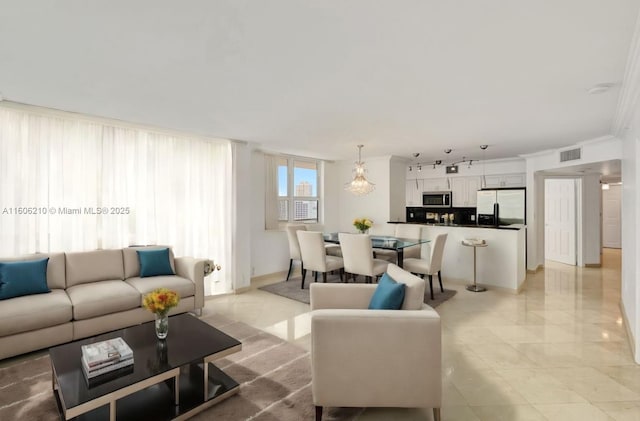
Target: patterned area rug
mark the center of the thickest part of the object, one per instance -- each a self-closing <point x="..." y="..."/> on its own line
<point x="274" y="377"/>
<point x="291" y="289"/>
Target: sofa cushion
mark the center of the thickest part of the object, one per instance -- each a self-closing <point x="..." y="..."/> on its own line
<point x="100" y="298"/>
<point x="132" y="264"/>
<point x="93" y="266"/>
<point x="55" y="267"/>
<point x="388" y="295"/>
<point x="32" y="312"/>
<point x="414" y="287"/>
<point x="23" y="278"/>
<point x="154" y="262"/>
<point x="184" y="287"/>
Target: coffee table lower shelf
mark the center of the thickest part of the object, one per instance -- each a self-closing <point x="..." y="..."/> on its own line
<point x="156" y="402"/>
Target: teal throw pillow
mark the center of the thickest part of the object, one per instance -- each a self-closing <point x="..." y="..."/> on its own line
<point x="389" y="295"/>
<point x="154" y="262"/>
<point x="23" y="278"/>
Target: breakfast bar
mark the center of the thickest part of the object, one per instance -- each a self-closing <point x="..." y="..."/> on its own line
<point x="502" y="264"/>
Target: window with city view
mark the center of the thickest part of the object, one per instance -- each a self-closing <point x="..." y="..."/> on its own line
<point x="297" y="190"/>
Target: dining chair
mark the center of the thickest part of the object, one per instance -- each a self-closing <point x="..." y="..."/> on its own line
<point x="430" y="261"/>
<point x="411" y="232"/>
<point x="315" y="258"/>
<point x="384" y="254"/>
<point x="357" y="253"/>
<point x="294" y="246"/>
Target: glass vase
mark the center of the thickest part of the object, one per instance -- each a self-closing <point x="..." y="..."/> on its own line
<point x="162" y="325"/>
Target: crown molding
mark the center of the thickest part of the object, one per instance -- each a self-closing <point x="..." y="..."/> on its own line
<point x="630" y="90"/>
<point x="54" y="112"/>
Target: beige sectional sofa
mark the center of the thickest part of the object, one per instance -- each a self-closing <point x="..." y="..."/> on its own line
<point x="91" y="292"/>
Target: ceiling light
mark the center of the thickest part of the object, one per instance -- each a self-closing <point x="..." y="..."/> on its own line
<point x="359" y="185"/>
<point x="600" y="88"/>
<point x="605" y="186"/>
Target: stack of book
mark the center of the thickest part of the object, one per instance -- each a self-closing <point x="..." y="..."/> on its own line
<point x="106" y="357"/>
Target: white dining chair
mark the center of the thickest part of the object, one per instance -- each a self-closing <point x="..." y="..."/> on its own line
<point x="357" y="253"/>
<point x="411" y="232"/>
<point x="315" y="258"/>
<point x="430" y="261"/>
<point x="294" y="246"/>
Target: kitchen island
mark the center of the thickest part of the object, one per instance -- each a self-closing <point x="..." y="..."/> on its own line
<point x="501" y="264"/>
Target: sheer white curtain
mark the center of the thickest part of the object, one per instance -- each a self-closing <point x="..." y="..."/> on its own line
<point x="58" y="173"/>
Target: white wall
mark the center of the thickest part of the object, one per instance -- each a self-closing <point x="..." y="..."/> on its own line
<point x="241" y="238"/>
<point x="397" y="199"/>
<point x="374" y="205"/>
<point x="591" y="219"/>
<point x="599" y="150"/>
<point x="331" y="185"/>
<point x="631" y="230"/>
<point x="269" y="249"/>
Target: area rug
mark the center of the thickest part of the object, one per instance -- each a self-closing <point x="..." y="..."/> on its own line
<point x="291" y="289"/>
<point x="274" y="377"/>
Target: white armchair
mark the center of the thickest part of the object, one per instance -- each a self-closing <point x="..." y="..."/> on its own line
<point x="374" y="358"/>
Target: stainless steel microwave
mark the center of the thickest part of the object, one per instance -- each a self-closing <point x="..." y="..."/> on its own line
<point x="436" y="199"/>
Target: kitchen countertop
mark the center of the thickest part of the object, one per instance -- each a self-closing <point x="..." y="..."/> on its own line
<point x="500" y="227"/>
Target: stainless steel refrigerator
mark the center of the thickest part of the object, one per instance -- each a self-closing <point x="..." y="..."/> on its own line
<point x="501" y="207"/>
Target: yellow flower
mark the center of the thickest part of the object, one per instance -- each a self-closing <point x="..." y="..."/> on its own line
<point x="160" y="300"/>
<point x="362" y="224"/>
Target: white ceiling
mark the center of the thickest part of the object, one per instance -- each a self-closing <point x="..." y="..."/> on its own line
<point x="318" y="77"/>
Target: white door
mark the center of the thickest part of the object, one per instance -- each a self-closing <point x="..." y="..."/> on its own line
<point x="560" y="220"/>
<point x="611" y="227"/>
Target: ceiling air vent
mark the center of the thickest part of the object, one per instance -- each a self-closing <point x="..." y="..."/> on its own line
<point x="570" y="155"/>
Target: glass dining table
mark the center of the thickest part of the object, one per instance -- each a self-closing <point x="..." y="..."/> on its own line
<point x="385" y="242"/>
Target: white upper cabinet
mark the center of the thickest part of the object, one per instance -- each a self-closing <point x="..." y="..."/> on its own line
<point x="436" y="184"/>
<point x="414" y="190"/>
<point x="506" y="180"/>
<point x="463" y="190"/>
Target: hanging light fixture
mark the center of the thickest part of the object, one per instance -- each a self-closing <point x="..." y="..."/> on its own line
<point x="359" y="185"/>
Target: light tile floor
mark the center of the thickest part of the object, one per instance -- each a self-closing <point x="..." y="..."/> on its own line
<point x="556" y="351"/>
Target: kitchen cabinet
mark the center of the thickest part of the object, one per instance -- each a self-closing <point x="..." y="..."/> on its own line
<point x="506" y="180"/>
<point x="413" y="193"/>
<point x="436" y="184"/>
<point x="463" y="190"/>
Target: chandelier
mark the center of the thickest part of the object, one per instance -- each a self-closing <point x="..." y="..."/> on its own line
<point x="359" y="185"/>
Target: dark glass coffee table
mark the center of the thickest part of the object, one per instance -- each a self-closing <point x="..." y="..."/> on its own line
<point x="170" y="379"/>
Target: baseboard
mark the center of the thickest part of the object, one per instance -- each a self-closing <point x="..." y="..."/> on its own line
<point x="522" y="285"/>
<point x="632" y="342"/>
<point x="593" y="265"/>
<point x="282" y="275"/>
<point x="538" y="268"/>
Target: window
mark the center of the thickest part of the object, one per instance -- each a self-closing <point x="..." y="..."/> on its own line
<point x="296" y="182"/>
<point x="73" y="183"/>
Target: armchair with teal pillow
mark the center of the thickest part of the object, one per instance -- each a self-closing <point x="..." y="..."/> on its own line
<point x="388" y="295"/>
<point x="375" y="358"/>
